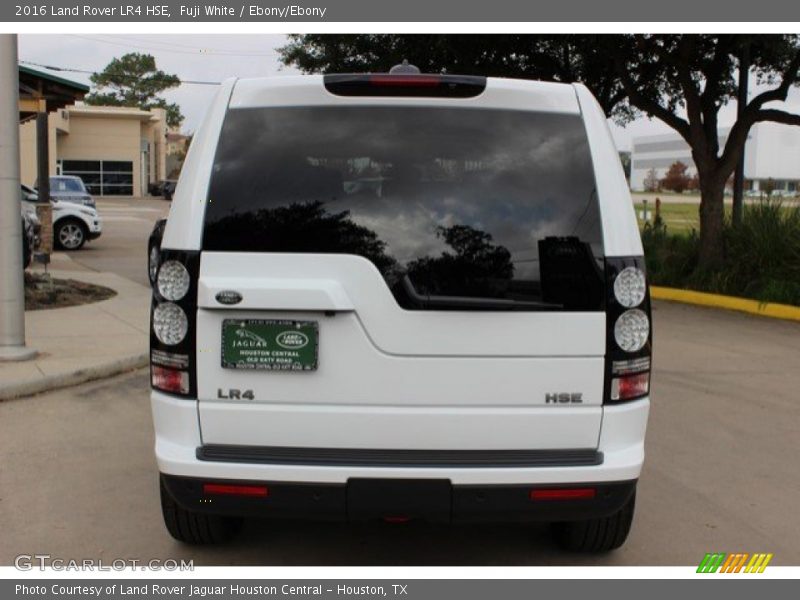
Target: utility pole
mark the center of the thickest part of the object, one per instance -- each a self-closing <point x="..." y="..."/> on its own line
<point x="12" y="287"/>
<point x="738" y="176"/>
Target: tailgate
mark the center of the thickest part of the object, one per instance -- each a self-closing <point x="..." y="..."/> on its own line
<point x="386" y="377"/>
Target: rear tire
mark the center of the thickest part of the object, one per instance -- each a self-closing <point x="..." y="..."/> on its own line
<point x="196" y="528"/>
<point x="596" y="535"/>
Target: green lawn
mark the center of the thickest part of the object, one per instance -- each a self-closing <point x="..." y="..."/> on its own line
<point x="682" y="218"/>
<point x="679" y="218"/>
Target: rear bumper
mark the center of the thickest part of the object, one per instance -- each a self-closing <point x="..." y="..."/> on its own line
<point x="434" y="500"/>
<point x="620" y="444"/>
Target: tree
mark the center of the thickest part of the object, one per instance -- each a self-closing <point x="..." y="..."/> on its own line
<point x="676" y="178"/>
<point x="564" y="58"/>
<point x="625" y="159"/>
<point x="651" y="182"/>
<point x="134" y="80"/>
<point x="682" y="80"/>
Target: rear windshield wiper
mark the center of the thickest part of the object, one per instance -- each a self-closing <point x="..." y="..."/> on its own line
<point x="469" y="303"/>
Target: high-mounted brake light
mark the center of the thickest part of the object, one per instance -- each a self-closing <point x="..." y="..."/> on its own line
<point x="406" y="80"/>
<point x="405" y="85"/>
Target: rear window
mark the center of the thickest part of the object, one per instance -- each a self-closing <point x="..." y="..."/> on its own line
<point x="458" y="208"/>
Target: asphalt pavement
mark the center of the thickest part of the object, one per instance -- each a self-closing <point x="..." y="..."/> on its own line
<point x="121" y="249"/>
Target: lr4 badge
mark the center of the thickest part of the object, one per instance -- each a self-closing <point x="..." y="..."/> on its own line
<point x="272" y="345"/>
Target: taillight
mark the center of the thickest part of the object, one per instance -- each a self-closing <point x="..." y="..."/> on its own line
<point x="628" y="387"/>
<point x="173" y="318"/>
<point x="629" y="330"/>
<point x="388" y="84"/>
<point x="170" y="380"/>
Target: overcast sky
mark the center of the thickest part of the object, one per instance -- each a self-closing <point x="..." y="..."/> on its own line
<point x="216" y="57"/>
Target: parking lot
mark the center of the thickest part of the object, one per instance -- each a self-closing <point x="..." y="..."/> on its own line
<point x="79" y="478"/>
<point x="121" y="248"/>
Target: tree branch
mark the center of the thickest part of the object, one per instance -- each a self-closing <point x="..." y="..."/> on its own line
<point x="779" y="93"/>
<point x="739" y="134"/>
<point x="649" y="106"/>
<point x="691" y="94"/>
<point x="753" y="113"/>
<point x="778" y="116"/>
<point x="708" y="99"/>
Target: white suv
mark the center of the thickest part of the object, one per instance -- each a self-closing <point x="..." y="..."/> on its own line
<point x="401" y="296"/>
<point x="74" y="223"/>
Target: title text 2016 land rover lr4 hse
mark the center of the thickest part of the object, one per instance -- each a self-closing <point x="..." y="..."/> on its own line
<point x="401" y="296"/>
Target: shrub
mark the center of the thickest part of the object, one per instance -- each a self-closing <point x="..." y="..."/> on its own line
<point x="762" y="256"/>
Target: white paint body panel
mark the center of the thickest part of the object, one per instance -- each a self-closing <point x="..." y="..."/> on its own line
<point x="308" y="90"/>
<point x="621" y="442"/>
<point x="620" y="229"/>
<point x="340" y="282"/>
<point x="188" y="208"/>
<point x="70" y="210"/>
<point x="461" y="427"/>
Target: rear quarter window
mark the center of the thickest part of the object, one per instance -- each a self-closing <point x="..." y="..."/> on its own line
<point x="458" y="208"/>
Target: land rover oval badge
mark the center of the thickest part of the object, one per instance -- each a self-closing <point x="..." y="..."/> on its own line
<point x="228" y="297"/>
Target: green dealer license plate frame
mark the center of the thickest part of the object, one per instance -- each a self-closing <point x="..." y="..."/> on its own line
<point x="270" y="344"/>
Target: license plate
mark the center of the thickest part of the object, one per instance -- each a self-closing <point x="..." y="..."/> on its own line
<point x="271" y="345"/>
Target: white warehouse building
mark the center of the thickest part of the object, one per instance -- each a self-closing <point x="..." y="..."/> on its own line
<point x="772" y="157"/>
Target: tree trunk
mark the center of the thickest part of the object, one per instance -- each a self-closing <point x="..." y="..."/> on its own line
<point x="712" y="218"/>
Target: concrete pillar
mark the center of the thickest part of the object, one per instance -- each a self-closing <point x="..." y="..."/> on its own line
<point x="12" y="289"/>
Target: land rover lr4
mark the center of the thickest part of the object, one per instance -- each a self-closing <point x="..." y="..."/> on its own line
<point x="401" y="296"/>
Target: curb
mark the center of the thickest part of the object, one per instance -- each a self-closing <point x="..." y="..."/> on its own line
<point x="745" y="305"/>
<point x="52" y="382"/>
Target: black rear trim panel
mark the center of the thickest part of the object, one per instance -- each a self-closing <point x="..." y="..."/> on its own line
<point x="360" y="457"/>
<point x="433" y="500"/>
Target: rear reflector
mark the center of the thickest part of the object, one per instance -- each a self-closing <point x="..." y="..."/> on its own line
<point x="563" y="494"/>
<point x="383" y="84"/>
<point x="169" y="380"/>
<point x="630" y="386"/>
<point x="396" y="519"/>
<point x="236" y="490"/>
